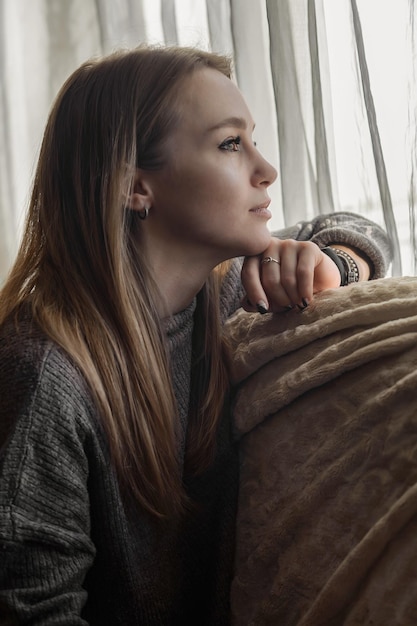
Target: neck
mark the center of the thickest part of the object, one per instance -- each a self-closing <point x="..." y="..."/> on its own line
<point x="178" y="282"/>
<point x="179" y="271"/>
<point x="178" y="292"/>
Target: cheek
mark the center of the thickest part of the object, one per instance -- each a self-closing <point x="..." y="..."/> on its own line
<point x="221" y="190"/>
<point x="205" y="191"/>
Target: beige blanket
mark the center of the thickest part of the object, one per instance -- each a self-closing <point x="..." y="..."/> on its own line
<point x="326" y="414"/>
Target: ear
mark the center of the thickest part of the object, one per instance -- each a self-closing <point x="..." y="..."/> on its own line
<point x="140" y="196"/>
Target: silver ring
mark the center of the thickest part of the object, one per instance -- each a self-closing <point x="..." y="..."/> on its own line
<point x="269" y="259"/>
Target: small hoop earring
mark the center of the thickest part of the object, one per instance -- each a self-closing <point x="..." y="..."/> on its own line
<point x="143" y="213"/>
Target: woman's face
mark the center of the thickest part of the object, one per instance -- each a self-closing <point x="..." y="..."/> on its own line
<point x="210" y="198"/>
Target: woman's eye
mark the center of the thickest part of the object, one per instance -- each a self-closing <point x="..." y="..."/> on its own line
<point x="232" y="144"/>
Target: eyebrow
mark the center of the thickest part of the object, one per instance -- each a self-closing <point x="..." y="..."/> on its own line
<point x="235" y="122"/>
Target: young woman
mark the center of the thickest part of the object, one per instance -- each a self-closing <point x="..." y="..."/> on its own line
<point x="118" y="474"/>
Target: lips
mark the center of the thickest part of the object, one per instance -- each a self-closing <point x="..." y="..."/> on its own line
<point x="265" y="205"/>
<point x="262" y="209"/>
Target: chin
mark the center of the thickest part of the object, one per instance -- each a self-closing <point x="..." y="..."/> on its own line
<point x="257" y="245"/>
<point x="249" y="245"/>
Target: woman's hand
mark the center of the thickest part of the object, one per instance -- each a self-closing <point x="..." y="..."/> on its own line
<point x="302" y="270"/>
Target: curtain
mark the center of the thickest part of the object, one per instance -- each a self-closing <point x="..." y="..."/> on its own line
<point x="312" y="71"/>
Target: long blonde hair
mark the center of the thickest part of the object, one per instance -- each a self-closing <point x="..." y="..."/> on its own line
<point x="81" y="271"/>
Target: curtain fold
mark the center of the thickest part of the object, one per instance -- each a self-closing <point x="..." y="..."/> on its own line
<point x="219" y="18"/>
<point x="412" y="130"/>
<point x="121" y="23"/>
<point x="7" y="224"/>
<point x="324" y="183"/>
<point x="169" y="22"/>
<point x="304" y="112"/>
<point x="380" y="168"/>
<point x="299" y="195"/>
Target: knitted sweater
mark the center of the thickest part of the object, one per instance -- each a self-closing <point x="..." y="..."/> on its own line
<point x="69" y="552"/>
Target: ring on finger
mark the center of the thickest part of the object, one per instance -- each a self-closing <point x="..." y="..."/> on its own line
<point x="270" y="259"/>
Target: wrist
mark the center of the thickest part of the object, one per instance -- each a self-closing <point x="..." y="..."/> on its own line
<point x="364" y="265"/>
<point x="346" y="264"/>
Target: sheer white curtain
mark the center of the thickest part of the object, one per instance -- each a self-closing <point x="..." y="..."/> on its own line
<point x="333" y="100"/>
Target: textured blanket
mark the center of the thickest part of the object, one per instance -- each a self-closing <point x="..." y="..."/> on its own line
<point x="326" y="414"/>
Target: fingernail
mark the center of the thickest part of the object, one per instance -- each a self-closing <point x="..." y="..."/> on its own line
<point x="262" y="308"/>
<point x="305" y="304"/>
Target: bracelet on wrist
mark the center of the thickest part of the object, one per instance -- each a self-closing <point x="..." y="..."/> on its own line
<point x="346" y="264"/>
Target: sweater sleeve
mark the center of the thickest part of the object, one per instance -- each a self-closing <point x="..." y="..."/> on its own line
<point x="45" y="543"/>
<point x="345" y="228"/>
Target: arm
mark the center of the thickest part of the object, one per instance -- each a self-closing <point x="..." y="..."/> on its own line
<point x="44" y="507"/>
<point x="303" y="269"/>
<point x="365" y="239"/>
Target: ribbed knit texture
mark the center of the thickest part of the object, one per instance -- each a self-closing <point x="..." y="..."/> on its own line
<point x="179" y="330"/>
<point x="69" y="553"/>
<point x="64" y="533"/>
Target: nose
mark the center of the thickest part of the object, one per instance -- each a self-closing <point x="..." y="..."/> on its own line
<point x="264" y="173"/>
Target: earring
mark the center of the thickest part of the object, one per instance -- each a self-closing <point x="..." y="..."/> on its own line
<point x="143" y="213"/>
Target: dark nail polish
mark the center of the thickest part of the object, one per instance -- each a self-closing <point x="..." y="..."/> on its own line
<point x="261" y="308"/>
<point x="305" y="302"/>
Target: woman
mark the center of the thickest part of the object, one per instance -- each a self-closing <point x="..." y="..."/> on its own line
<point x="118" y="476"/>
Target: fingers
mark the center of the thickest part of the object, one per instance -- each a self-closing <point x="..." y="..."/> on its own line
<point x="279" y="283"/>
<point x="297" y="271"/>
<point x="283" y="277"/>
<point x="256" y="299"/>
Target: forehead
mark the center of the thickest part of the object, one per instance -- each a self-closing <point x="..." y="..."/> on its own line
<point x="209" y="99"/>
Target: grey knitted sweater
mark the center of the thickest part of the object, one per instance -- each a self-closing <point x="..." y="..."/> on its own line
<point x="70" y="554"/>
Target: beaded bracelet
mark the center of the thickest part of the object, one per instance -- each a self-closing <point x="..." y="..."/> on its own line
<point x="347" y="266"/>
